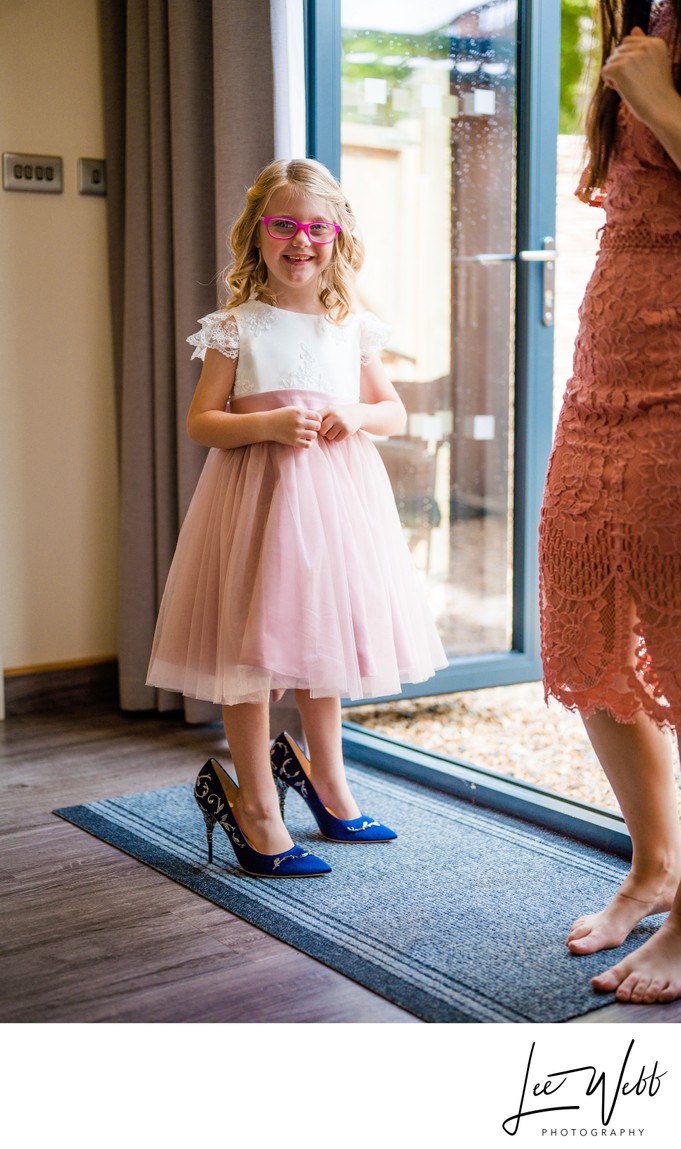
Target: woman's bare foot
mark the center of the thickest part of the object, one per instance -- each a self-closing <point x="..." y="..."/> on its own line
<point x="651" y="973"/>
<point x="635" y="900"/>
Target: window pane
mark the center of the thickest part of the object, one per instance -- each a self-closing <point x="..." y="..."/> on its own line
<point x="428" y="161"/>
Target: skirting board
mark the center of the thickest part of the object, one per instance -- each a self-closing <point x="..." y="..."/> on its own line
<point x="55" y="688"/>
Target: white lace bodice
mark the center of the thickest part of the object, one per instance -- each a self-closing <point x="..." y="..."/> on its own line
<point x="287" y="350"/>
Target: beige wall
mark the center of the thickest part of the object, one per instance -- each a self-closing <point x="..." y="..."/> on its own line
<point x="58" y="484"/>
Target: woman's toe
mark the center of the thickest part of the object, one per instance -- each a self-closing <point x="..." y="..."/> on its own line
<point x="632" y="988"/>
<point x="607" y="981"/>
<point x="579" y="930"/>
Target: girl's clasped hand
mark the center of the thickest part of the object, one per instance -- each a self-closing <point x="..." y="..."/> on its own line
<point x="296" y="427"/>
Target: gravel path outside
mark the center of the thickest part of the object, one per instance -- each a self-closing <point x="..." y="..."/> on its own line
<point x="508" y="729"/>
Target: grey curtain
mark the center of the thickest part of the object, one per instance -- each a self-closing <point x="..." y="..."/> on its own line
<point x="189" y="119"/>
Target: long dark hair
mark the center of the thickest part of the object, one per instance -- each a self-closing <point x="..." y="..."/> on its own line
<point x="617" y="18"/>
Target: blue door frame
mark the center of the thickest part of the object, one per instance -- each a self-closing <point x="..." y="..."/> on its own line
<point x="538" y="106"/>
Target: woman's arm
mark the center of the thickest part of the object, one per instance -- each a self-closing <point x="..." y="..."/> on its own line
<point x="381" y="411"/>
<point x="211" y="425"/>
<point x="640" y="69"/>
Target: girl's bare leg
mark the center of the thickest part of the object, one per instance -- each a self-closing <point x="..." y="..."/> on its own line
<point x="247" y="727"/>
<point x="321" y="719"/>
<point x="636" y="758"/>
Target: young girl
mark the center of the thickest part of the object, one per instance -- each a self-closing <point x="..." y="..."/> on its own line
<point x="291" y="571"/>
<point x="610" y="538"/>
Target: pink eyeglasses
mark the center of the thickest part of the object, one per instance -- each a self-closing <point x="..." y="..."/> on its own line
<point x="278" y="227"/>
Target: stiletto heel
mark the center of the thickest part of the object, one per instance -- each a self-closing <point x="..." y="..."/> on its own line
<point x="210" y="826"/>
<point x="289" y="768"/>
<point x="212" y="793"/>
<point x="282" y="791"/>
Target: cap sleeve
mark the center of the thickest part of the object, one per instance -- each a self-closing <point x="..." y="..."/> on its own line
<point x="218" y="331"/>
<point x="373" y="336"/>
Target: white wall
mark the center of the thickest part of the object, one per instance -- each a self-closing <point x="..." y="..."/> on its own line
<point x="58" y="483"/>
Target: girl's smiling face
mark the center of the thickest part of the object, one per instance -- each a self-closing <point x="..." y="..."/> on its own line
<point x="295" y="265"/>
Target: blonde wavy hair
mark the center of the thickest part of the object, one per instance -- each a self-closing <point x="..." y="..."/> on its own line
<point x="247" y="277"/>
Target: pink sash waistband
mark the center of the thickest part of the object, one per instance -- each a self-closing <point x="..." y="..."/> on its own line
<point x="271" y="400"/>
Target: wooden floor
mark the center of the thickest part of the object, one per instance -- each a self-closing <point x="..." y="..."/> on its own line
<point x="90" y="935"/>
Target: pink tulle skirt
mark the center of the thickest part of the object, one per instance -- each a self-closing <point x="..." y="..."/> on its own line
<point x="291" y="571"/>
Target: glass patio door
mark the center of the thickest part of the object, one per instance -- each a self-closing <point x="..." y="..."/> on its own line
<point x="440" y="118"/>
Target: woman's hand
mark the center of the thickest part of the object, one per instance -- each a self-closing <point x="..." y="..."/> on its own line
<point x="293" y="426"/>
<point x="640" y="70"/>
<point x="341" y="421"/>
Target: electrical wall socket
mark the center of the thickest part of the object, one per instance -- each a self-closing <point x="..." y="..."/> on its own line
<point x="92" y="177"/>
<point x="23" y="172"/>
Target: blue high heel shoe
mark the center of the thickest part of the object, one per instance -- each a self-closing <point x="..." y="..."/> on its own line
<point x="212" y="791"/>
<point x="288" y="767"/>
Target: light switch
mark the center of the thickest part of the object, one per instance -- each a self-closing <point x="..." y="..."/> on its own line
<point x="21" y="172"/>
<point x="92" y="177"/>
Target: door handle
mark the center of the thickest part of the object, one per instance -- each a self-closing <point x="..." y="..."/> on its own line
<point x="547" y="256"/>
<point x="486" y="257"/>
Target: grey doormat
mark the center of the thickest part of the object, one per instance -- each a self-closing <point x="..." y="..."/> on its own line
<point x="462" y="919"/>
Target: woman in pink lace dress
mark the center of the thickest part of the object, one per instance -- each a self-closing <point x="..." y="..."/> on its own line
<point x="610" y="537"/>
